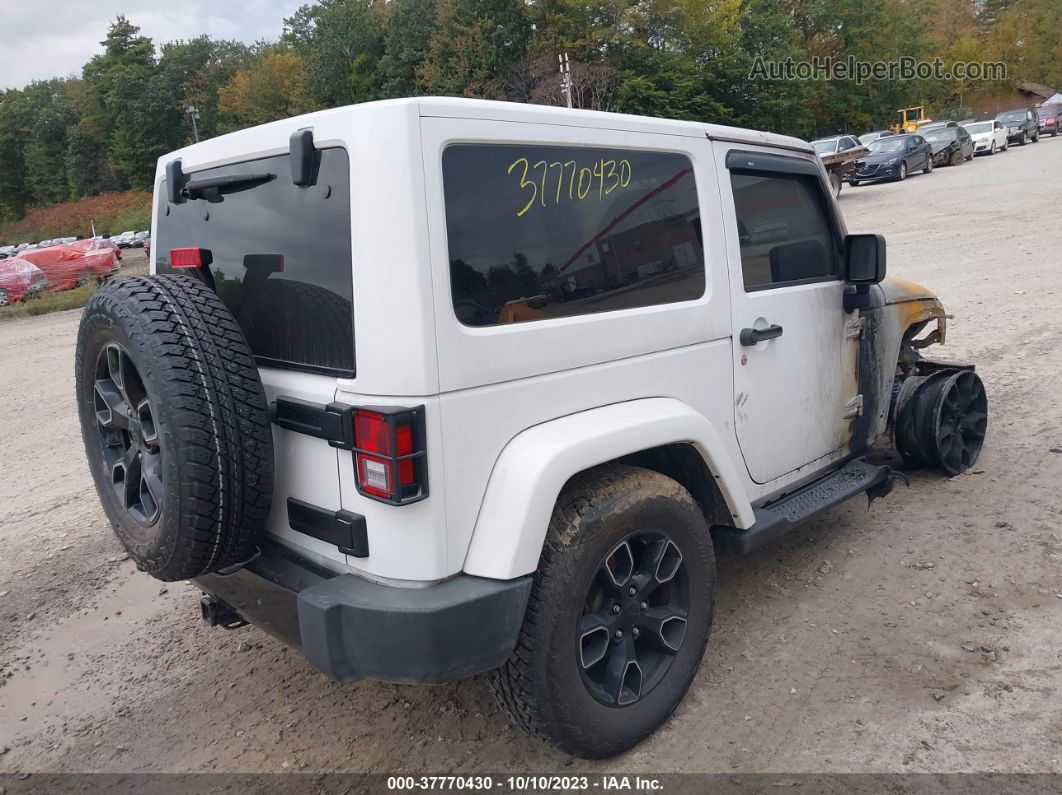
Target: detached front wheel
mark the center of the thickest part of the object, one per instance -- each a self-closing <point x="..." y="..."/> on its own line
<point x="941" y="420"/>
<point x="619" y="614"/>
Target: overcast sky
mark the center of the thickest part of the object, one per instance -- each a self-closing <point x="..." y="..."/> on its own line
<point x="55" y="38"/>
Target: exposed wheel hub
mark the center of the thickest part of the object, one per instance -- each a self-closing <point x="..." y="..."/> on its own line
<point x="634" y="618"/>
<point x="126" y="425"/>
<point x="941" y="420"/>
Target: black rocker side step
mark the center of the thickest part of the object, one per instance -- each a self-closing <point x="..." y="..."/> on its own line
<point x="779" y="517"/>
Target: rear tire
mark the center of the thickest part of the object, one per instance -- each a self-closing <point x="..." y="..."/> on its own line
<point x="835" y="184"/>
<point x="570" y="679"/>
<point x="5" y="298"/>
<point x="174" y="421"/>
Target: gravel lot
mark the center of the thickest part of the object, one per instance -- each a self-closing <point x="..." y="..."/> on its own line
<point x="923" y="635"/>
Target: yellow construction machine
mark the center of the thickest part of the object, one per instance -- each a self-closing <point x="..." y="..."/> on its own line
<point x="911" y="119"/>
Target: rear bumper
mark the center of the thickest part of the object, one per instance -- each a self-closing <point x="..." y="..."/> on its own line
<point x="350" y="628"/>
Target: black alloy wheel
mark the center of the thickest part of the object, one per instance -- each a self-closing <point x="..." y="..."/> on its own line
<point x="619" y="613"/>
<point x="634" y="618"/>
<point x="129" y="439"/>
<point x="942" y="419"/>
<point x="962" y="423"/>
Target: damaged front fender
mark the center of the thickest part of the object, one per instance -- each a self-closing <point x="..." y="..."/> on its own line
<point x="899" y="312"/>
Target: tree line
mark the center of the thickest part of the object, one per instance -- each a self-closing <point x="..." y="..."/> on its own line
<point x="104" y="129"/>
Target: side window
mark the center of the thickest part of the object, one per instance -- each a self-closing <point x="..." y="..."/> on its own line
<point x="784" y="230"/>
<point x="539" y="232"/>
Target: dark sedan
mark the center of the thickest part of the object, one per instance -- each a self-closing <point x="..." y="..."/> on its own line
<point x="951" y="145"/>
<point x="893" y="157"/>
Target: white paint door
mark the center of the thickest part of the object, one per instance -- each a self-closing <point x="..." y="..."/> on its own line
<point x="794" y="365"/>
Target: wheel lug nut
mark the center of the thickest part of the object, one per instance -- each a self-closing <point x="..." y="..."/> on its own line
<point x="619" y="634"/>
<point x="645" y="605"/>
<point x="635" y="632"/>
<point x="615" y="609"/>
<point x="633" y="591"/>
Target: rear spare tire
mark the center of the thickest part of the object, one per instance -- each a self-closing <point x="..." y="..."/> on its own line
<point x="175" y="425"/>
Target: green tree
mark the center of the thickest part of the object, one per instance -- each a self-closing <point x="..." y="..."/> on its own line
<point x="193" y="72"/>
<point x="45" y="152"/>
<point x="478" y="49"/>
<point x="410" y="24"/>
<point x="135" y="116"/>
<point x="341" y="43"/>
<point x="15" y="123"/>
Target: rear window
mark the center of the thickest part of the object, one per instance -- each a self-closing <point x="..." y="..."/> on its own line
<point x="538" y="232"/>
<point x="281" y="259"/>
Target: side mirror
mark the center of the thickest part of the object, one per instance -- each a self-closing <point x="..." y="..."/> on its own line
<point x="864" y="259"/>
<point x="864" y="265"/>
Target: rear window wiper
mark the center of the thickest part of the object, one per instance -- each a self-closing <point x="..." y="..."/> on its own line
<point x="227" y="183"/>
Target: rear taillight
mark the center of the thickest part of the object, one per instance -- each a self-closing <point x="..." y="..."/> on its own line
<point x="189" y="257"/>
<point x="390" y="462"/>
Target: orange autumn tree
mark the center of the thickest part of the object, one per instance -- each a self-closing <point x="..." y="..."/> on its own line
<point x="270" y="87"/>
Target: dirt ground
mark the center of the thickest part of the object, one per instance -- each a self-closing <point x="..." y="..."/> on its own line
<point x="922" y="635"/>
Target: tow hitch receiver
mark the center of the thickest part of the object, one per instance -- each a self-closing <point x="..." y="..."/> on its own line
<point x="220" y="614"/>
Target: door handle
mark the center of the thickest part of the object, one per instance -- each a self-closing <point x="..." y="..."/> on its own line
<point x="753" y="336"/>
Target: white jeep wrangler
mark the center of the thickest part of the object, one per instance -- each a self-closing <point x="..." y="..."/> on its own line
<point x="435" y="387"/>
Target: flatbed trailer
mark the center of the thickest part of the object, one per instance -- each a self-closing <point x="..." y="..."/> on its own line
<point x="840" y="164"/>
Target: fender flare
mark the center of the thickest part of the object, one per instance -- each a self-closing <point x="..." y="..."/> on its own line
<point x="534" y="466"/>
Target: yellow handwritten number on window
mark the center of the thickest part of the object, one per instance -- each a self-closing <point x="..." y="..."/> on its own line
<point x="610" y="175"/>
<point x="525" y="183"/>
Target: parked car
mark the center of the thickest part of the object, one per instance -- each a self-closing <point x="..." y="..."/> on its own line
<point x="988" y="137"/>
<point x="19" y="280"/>
<point x="534" y="491"/>
<point x="835" y="144"/>
<point x="1023" y="125"/>
<point x="951" y="145"/>
<point x="1050" y="119"/>
<point x="869" y="137"/>
<point x="125" y="240"/>
<point x="75" y="264"/>
<point x="139" y="238"/>
<point x="893" y="158"/>
<point x="7" y="251"/>
<point x="936" y="125"/>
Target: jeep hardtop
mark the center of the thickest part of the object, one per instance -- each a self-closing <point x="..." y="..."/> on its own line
<point x="429" y="388"/>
